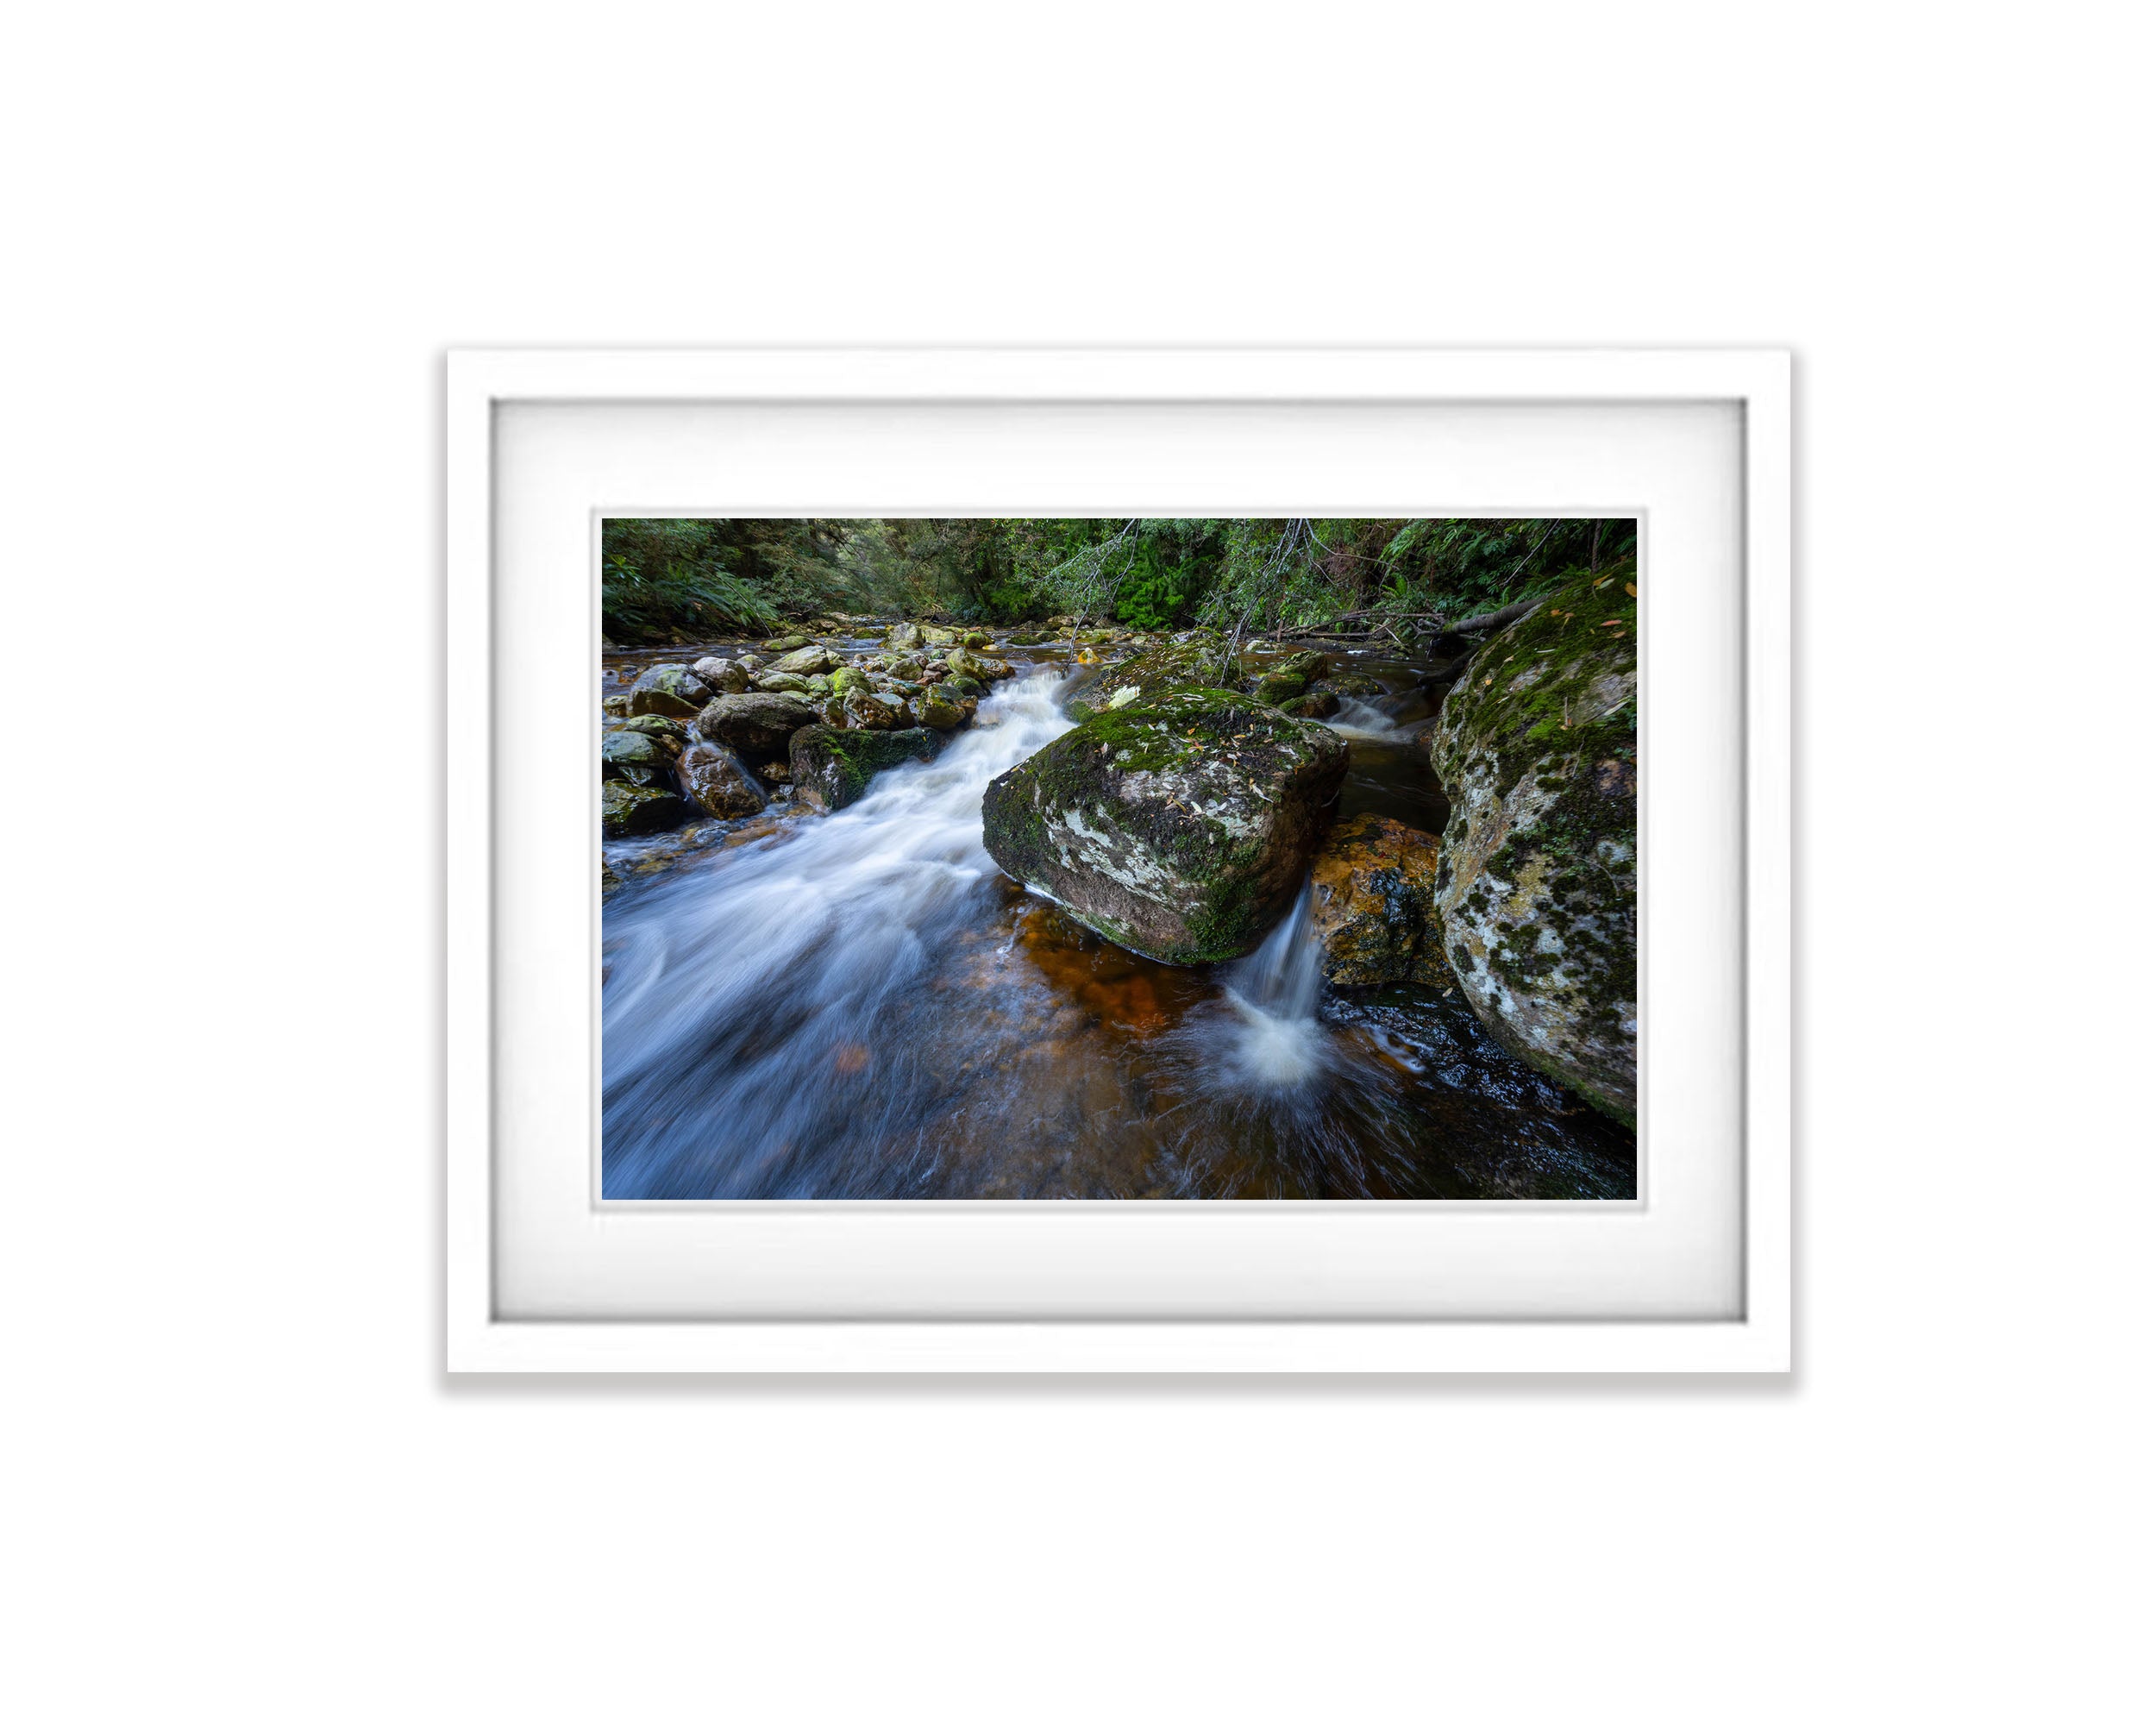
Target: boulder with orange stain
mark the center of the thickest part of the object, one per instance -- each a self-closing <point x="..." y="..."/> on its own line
<point x="1373" y="904"/>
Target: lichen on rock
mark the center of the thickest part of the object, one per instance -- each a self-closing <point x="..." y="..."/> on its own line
<point x="1180" y="828"/>
<point x="1537" y="746"/>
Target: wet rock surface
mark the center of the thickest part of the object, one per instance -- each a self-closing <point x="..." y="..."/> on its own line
<point x="832" y="767"/>
<point x="1537" y="749"/>
<point x="1180" y="828"/>
<point x="1374" y="905"/>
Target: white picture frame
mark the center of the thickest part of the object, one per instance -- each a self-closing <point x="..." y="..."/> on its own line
<point x="495" y="1322"/>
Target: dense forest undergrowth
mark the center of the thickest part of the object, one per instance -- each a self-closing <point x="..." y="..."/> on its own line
<point x="689" y="579"/>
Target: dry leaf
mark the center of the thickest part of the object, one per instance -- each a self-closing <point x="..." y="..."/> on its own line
<point x="1632" y="590"/>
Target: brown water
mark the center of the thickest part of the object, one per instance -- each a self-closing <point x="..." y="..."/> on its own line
<point x="861" y="1006"/>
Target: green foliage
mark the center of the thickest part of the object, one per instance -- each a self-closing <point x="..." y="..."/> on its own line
<point x="687" y="580"/>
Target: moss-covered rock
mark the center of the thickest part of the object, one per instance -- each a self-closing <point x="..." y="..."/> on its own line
<point x="902" y="638"/>
<point x="633" y="757"/>
<point x="1319" y="704"/>
<point x="1359" y="684"/>
<point x="1198" y="661"/>
<point x="755" y="724"/>
<point x="721" y="676"/>
<point x="665" y="730"/>
<point x="781" y="683"/>
<point x="807" y="662"/>
<point x="625" y="810"/>
<point x="1537" y="749"/>
<point x="716" y="781"/>
<point x="965" y="663"/>
<point x="1276" y="687"/>
<point x="1180" y="828"/>
<point x="1372" y="904"/>
<point x="785" y="643"/>
<point x="673" y="691"/>
<point x="832" y="767"/>
<point x="939" y="710"/>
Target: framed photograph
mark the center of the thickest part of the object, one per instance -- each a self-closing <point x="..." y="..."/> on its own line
<point x="1083" y="861"/>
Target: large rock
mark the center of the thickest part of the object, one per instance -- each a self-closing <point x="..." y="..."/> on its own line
<point x="782" y="683"/>
<point x="721" y="676"/>
<point x="625" y="810"/>
<point x="902" y="638"/>
<point x="965" y="663"/>
<point x="755" y="724"/>
<point x="1537" y="749"/>
<point x="1373" y="892"/>
<point x="807" y="662"/>
<point x="671" y="690"/>
<point x="832" y="767"/>
<point x="1180" y="828"/>
<point x="1199" y="662"/>
<point x="633" y="757"/>
<point x="939" y="710"/>
<point x="715" y="779"/>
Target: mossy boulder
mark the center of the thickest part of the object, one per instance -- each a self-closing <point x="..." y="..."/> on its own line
<point x="1359" y="684"/>
<point x="902" y="638"/>
<point x="1180" y="828"/>
<point x="721" y="676"/>
<point x="1318" y="704"/>
<point x="1199" y="660"/>
<point x="846" y="678"/>
<point x="785" y="643"/>
<point x="1276" y="687"/>
<point x="832" y="767"/>
<point x="962" y="688"/>
<point x="673" y="691"/>
<point x="670" y="733"/>
<point x="873" y="709"/>
<point x="939" y="710"/>
<point x="755" y="724"/>
<point x="807" y="662"/>
<point x="625" y="810"/>
<point x="633" y="758"/>
<point x="782" y="683"/>
<point x="965" y="663"/>
<point x="1537" y="749"/>
<point x="1373" y="904"/>
<point x="933" y="636"/>
<point x="716" y="781"/>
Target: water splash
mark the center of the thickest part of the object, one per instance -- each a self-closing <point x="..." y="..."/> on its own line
<point x="1279" y="1043"/>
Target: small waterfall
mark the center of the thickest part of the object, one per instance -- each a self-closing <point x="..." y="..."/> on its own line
<point x="1360" y="718"/>
<point x="1277" y="1043"/>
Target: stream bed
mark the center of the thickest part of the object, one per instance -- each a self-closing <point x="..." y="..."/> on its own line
<point x="861" y="1006"/>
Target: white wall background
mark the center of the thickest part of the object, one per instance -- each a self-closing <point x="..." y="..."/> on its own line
<point x="239" y="1486"/>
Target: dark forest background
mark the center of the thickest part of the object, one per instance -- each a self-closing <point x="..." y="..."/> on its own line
<point x="668" y="580"/>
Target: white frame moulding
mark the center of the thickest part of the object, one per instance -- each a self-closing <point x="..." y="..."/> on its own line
<point x="1756" y="381"/>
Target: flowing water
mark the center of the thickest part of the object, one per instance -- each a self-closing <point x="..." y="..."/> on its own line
<point x="861" y="1006"/>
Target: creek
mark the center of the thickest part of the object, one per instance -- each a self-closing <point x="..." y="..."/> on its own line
<point x="861" y="1006"/>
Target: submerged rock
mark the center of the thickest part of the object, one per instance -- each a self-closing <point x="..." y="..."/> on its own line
<point x="755" y="724"/>
<point x="716" y="781"/>
<point x="832" y="767"/>
<point x="625" y="810"/>
<point x="1180" y="828"/>
<point x="1537" y="749"/>
<point x="671" y="690"/>
<point x="1373" y="904"/>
